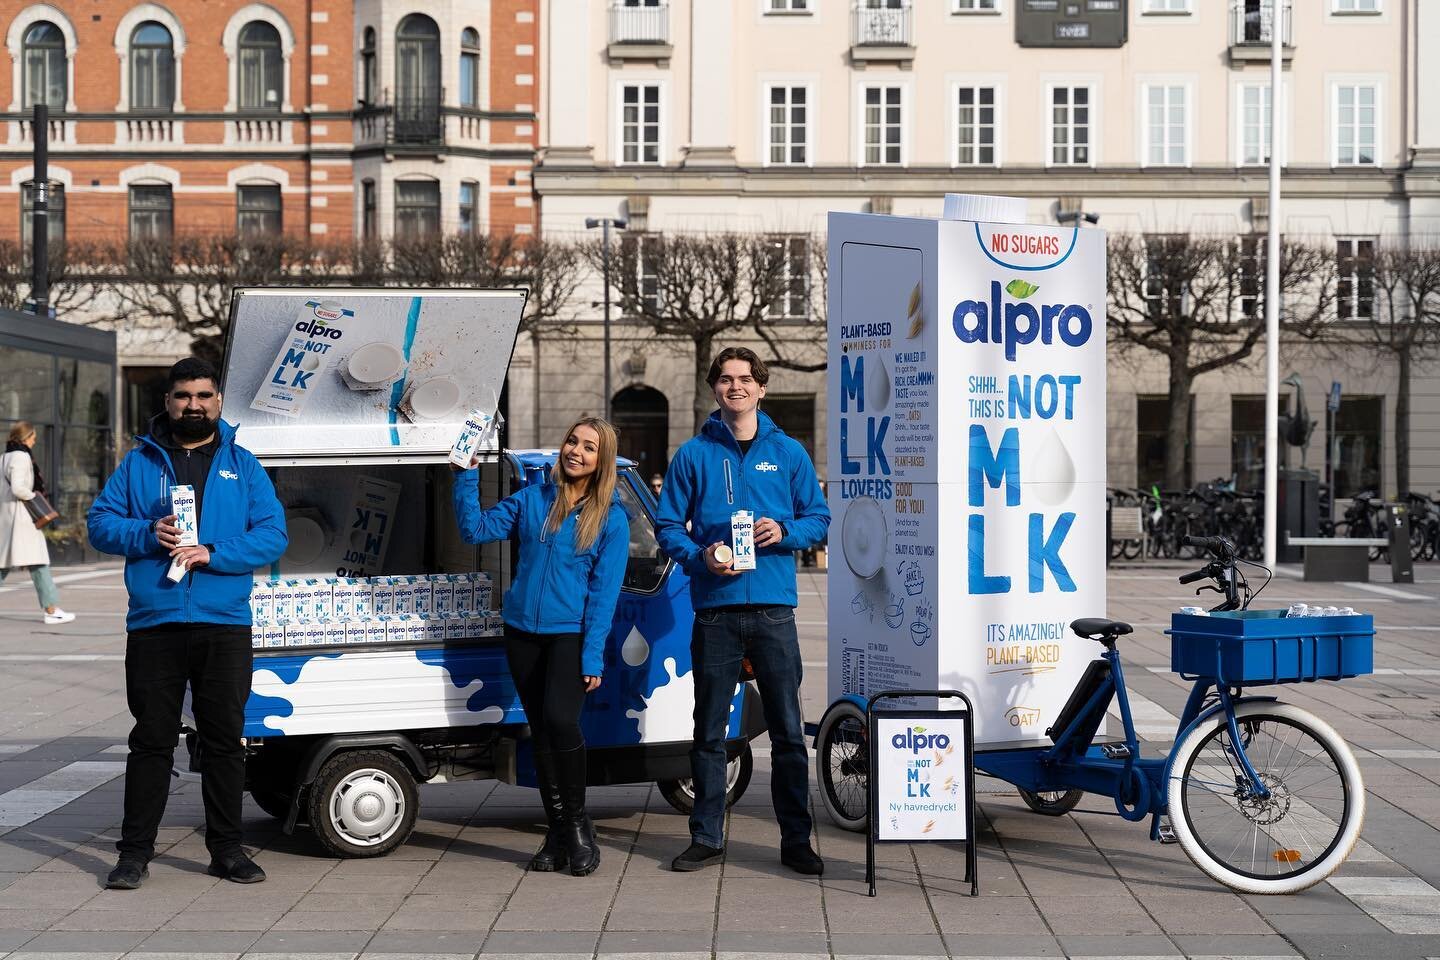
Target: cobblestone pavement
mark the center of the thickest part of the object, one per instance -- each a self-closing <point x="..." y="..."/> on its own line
<point x="1085" y="885"/>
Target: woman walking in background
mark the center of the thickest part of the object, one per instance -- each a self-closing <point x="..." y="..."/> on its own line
<point x="574" y="540"/>
<point x="22" y="546"/>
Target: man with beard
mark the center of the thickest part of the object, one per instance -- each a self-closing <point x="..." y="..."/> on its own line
<point x="194" y="631"/>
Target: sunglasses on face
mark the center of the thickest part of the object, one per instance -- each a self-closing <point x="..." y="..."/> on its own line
<point x="201" y="395"/>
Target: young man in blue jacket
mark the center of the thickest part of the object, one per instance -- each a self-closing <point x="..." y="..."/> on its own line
<point x="742" y="461"/>
<point x="196" y="631"/>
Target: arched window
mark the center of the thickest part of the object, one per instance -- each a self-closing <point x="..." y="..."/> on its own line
<point x="368" y="74"/>
<point x="417" y="80"/>
<point x="469" y="68"/>
<point x="152" y="68"/>
<point x="258" y="210"/>
<point x="43" y="76"/>
<point x="417" y="208"/>
<point x="262" y="67"/>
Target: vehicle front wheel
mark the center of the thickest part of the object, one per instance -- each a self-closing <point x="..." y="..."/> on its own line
<point x="363" y="803"/>
<point x="680" y="793"/>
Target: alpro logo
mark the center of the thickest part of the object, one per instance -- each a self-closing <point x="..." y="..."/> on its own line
<point x="1017" y="322"/>
<point x="319" y="329"/>
<point x="765" y="466"/>
<point x="915" y="739"/>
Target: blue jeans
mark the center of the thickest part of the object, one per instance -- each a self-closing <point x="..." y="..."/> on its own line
<point x="721" y="637"/>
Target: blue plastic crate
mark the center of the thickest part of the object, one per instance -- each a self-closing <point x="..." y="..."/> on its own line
<point x="1250" y="647"/>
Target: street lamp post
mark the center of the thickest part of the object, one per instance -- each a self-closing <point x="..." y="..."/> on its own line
<point x="605" y="223"/>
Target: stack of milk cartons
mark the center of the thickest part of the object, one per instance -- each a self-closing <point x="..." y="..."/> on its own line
<point x="426" y="608"/>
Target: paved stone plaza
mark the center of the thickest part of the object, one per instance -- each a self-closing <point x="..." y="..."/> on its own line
<point x="1084" y="885"/>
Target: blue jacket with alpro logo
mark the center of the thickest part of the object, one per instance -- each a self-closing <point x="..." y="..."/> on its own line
<point x="240" y="517"/>
<point x="709" y="480"/>
<point x="556" y="589"/>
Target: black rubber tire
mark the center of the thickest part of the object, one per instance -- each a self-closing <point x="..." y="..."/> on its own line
<point x="273" y="802"/>
<point x="680" y="793"/>
<point x="842" y="765"/>
<point x="1061" y="804"/>
<point x="343" y="773"/>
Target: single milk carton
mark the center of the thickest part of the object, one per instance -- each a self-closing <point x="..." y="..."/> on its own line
<point x="434" y="630"/>
<point x="274" y="635"/>
<point x="382" y="597"/>
<point x="341" y="599"/>
<point x="463" y="598"/>
<point x="480" y="584"/>
<point x="355" y="631"/>
<point x="742" y="539"/>
<point x="424" y="597"/>
<point x="375" y="631"/>
<point x="187" y="518"/>
<point x="335" y="632"/>
<point x="442" y="596"/>
<point x="315" y="634"/>
<point x="478" y="431"/>
<point x="321" y="599"/>
<point x="307" y="351"/>
<point x="262" y="602"/>
<point x="457" y="629"/>
<point x="494" y="626"/>
<point x="257" y="636"/>
<point x="284" y="592"/>
<point x="353" y="598"/>
<point x="404" y="596"/>
<point x="294" y="633"/>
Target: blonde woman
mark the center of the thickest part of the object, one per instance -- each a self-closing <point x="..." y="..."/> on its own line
<point x="574" y="540"/>
<point x="21" y="545"/>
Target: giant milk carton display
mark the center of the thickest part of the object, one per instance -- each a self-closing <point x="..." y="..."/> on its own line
<point x="308" y="349"/>
<point x="966" y="458"/>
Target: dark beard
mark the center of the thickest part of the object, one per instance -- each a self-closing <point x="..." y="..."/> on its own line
<point x="188" y="429"/>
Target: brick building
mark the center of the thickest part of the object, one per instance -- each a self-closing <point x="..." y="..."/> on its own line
<point x="313" y="117"/>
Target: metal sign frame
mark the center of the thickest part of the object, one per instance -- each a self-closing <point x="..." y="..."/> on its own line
<point x="872" y="718"/>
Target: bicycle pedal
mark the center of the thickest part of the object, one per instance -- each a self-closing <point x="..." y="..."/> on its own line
<point x="1166" y="833"/>
<point x="1115" y="751"/>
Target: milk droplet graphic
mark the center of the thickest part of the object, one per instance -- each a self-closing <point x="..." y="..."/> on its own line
<point x="634" y="651"/>
<point x="877" y="383"/>
<point x="1053" y="470"/>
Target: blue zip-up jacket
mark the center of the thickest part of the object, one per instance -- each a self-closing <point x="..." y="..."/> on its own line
<point x="240" y="517"/>
<point x="555" y="589"/>
<point x="710" y="479"/>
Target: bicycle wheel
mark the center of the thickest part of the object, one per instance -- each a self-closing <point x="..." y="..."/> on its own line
<point x="842" y="759"/>
<point x="1051" y="803"/>
<point x="1287" y="842"/>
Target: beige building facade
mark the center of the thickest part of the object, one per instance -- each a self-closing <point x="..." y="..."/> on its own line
<point x="1152" y="115"/>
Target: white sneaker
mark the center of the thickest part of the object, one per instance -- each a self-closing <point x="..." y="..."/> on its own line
<point x="59" y="616"/>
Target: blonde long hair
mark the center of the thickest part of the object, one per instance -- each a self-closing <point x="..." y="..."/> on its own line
<point x="601" y="487"/>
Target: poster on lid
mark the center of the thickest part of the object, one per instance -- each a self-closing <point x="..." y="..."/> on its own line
<point x="966" y="460"/>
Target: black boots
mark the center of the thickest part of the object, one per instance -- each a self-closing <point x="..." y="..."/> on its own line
<point x="553" y="855"/>
<point x="577" y="833"/>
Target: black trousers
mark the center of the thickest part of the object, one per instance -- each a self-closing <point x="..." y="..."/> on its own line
<point x="215" y="661"/>
<point x="546" y="670"/>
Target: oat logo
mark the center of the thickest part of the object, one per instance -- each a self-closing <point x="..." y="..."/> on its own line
<point x="765" y="466"/>
<point x="229" y="474"/>
<point x="1022" y="716"/>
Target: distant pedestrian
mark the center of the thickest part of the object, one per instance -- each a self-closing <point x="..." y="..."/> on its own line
<point x="22" y="546"/>
<point x="196" y="631"/>
<point x="656" y="483"/>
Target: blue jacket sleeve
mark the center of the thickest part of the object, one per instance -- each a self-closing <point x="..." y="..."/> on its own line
<point x="484" y="526"/>
<point x="676" y="496"/>
<point x="605" y="579"/>
<point x="112" y="529"/>
<point x="812" y="514"/>
<point x="264" y="539"/>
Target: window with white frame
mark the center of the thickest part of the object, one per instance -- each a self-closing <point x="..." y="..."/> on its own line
<point x="417" y="208"/>
<point x="261" y="67"/>
<point x="152" y="212"/>
<point x="1166" y="117"/>
<point x="369" y="78"/>
<point x="976" y="6"/>
<point x="787" y="126"/>
<point x="975" y="126"/>
<point x="152" y="68"/>
<point x="1166" y="6"/>
<point x="469" y="206"/>
<point x="1355" y="278"/>
<point x="1070" y="120"/>
<point x="258" y="210"/>
<point x="43" y="67"/>
<point x="469" y="67"/>
<point x="640" y="123"/>
<point x="1167" y="258"/>
<point x="788" y="6"/>
<point x="883" y="125"/>
<point x="791" y="256"/>
<point x="1356" y="6"/>
<point x="1255" y="123"/>
<point x="1356" y="123"/>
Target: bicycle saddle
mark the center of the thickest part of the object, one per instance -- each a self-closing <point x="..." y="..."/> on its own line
<point x="1098" y="628"/>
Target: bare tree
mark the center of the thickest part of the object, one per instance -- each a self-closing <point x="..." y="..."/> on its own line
<point x="76" y="275"/>
<point x="802" y="296"/>
<point x="695" y="288"/>
<point x="1394" y="302"/>
<point x="1199" y="302"/>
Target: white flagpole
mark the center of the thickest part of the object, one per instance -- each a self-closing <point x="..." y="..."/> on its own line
<point x="1278" y="11"/>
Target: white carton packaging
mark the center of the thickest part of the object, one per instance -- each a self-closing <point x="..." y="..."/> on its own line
<point x="262" y="602"/>
<point x="355" y="631"/>
<point x="742" y="539"/>
<point x="480" y="587"/>
<point x="415" y="631"/>
<point x="442" y="596"/>
<point x="404" y="596"/>
<point x="382" y="597"/>
<point x="274" y="635"/>
<point x="342" y="607"/>
<point x="434" y="630"/>
<point x="309" y="347"/>
<point x="294" y="633"/>
<point x="313" y="634"/>
<point x="464" y="595"/>
<point x="182" y="504"/>
<point x="335" y="632"/>
<point x="257" y="636"/>
<point x="456" y="628"/>
<point x="375" y="631"/>
<point x="424" y="597"/>
<point x="479" y="429"/>
<point x="317" y="600"/>
<point x="284" y="592"/>
<point x="353" y="599"/>
<point x="494" y="625"/>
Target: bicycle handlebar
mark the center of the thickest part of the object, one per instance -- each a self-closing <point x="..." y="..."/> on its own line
<point x="1219" y="546"/>
<point x="1201" y="574"/>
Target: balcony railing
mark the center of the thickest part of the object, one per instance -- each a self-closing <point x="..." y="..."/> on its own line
<point x="649" y="24"/>
<point x="883" y="26"/>
<point x="1253" y="24"/>
<point x="409" y="121"/>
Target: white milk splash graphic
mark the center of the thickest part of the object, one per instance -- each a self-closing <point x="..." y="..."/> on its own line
<point x="670" y="708"/>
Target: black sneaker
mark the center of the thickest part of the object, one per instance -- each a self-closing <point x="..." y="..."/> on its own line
<point x="235" y="867"/>
<point x="127" y="875"/>
<point x="697" y="856"/>
<point x="802" y="859"/>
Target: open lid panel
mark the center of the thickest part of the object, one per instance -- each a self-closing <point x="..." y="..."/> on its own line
<point x="319" y="375"/>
